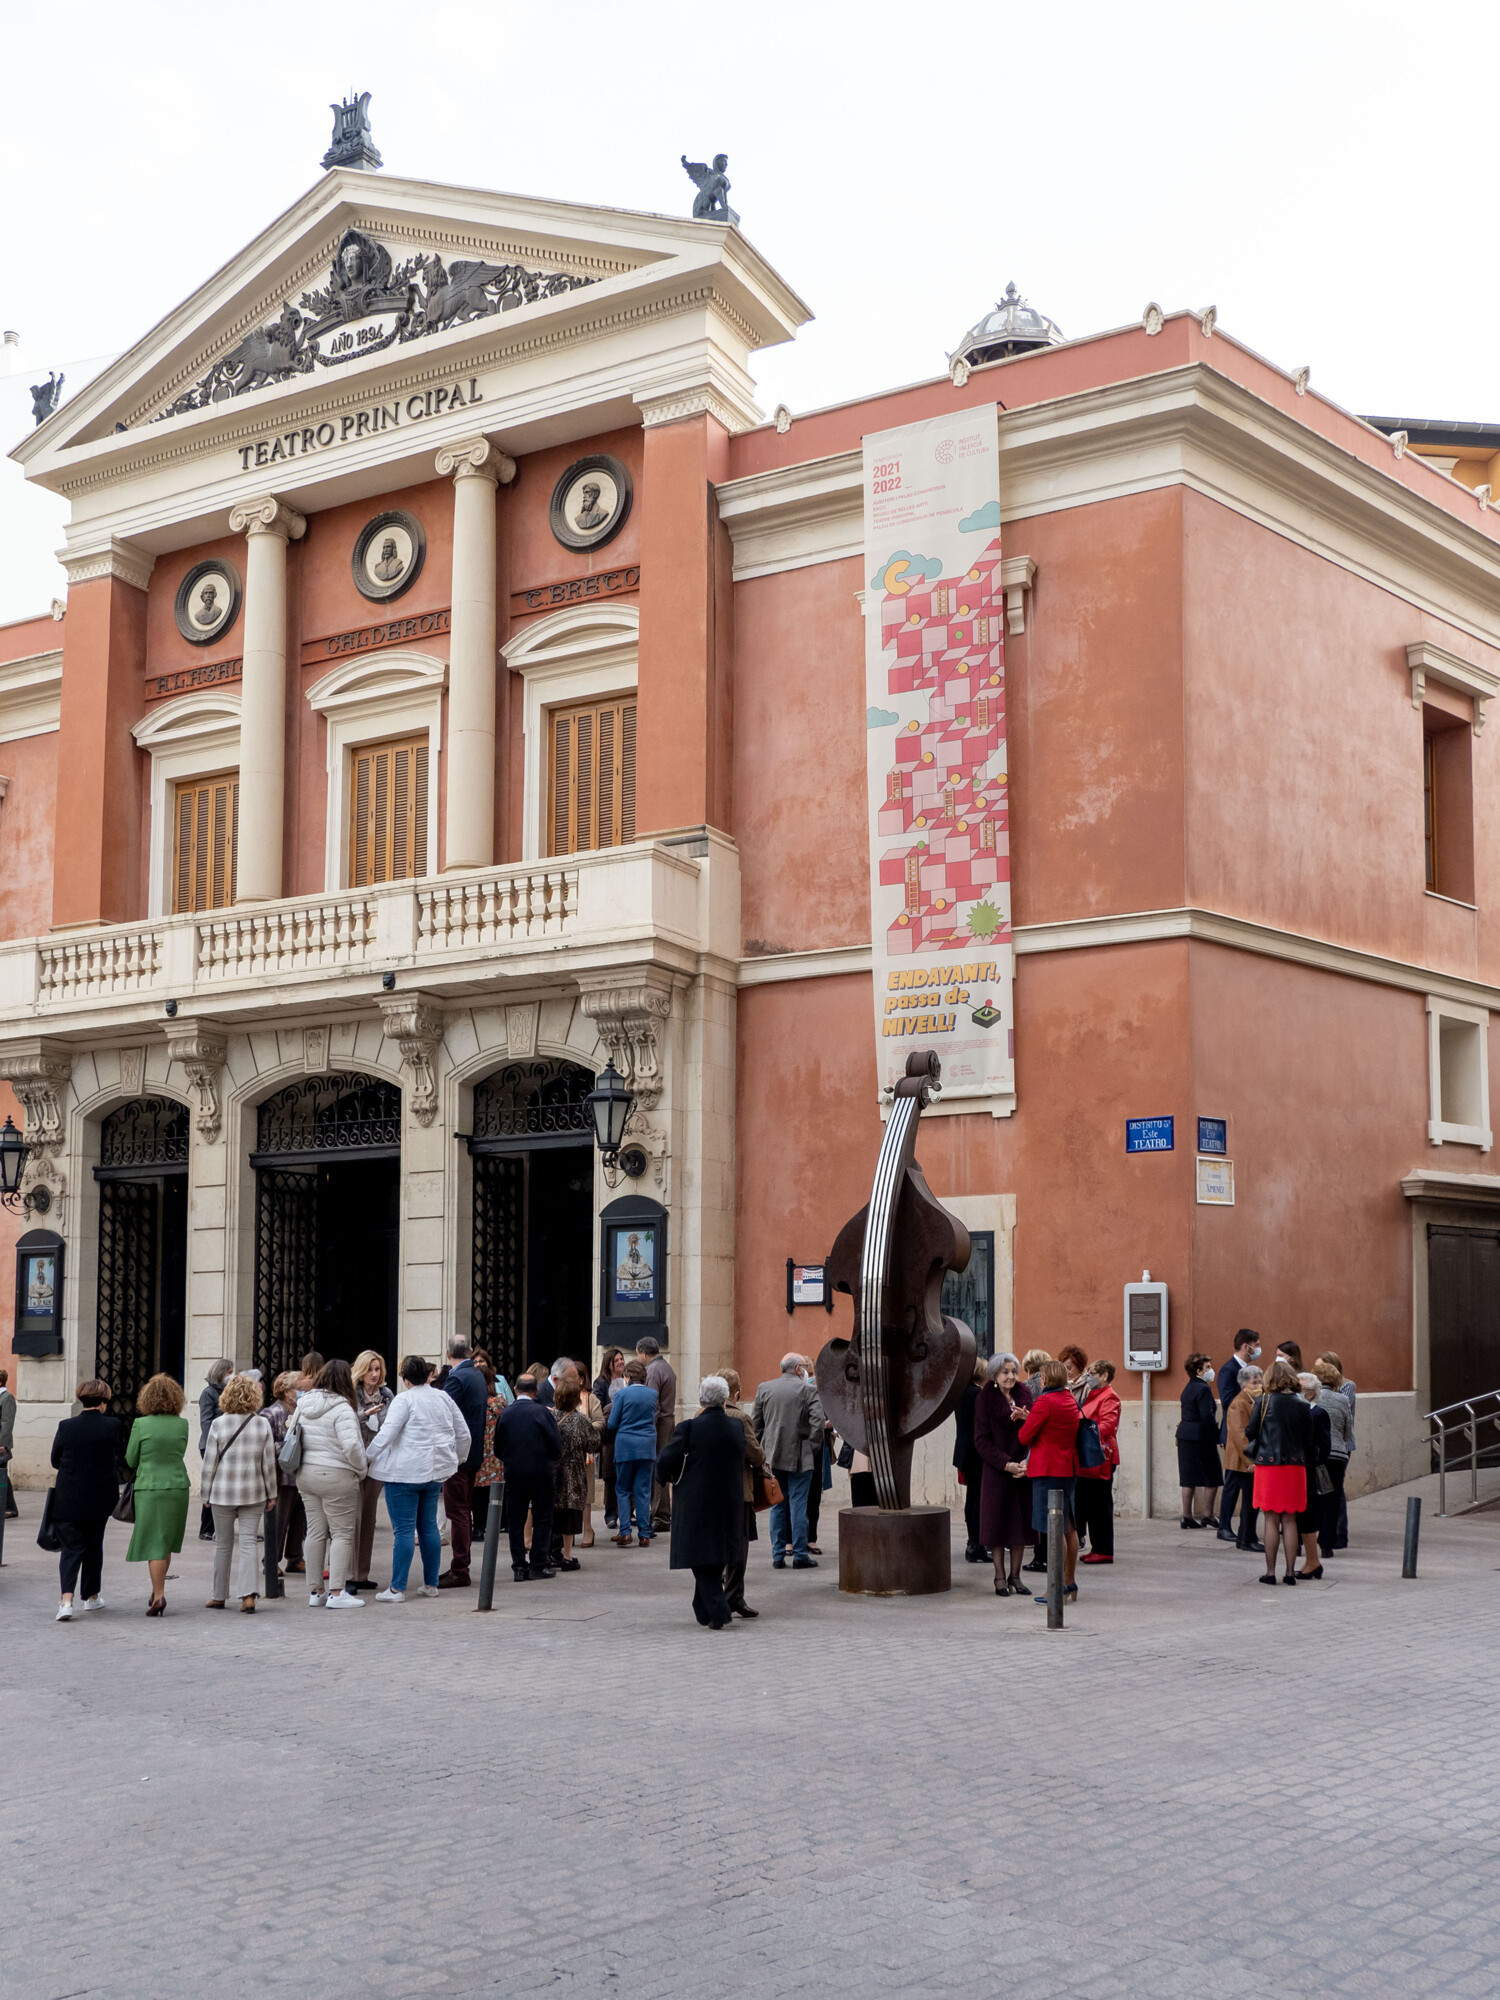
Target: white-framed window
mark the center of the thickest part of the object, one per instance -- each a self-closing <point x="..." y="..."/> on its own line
<point x="193" y="737"/>
<point x="391" y="701"/>
<point x="586" y="654"/>
<point x="1458" y="1074"/>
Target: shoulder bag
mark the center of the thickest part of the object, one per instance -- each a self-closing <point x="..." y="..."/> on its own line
<point x="47" y="1536"/>
<point x="768" y="1491"/>
<point x="290" y="1455"/>
<point x="124" y="1507"/>
<point x="217" y="1462"/>
<point x="1088" y="1446"/>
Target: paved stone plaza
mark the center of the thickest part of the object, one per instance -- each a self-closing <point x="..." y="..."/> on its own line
<point x="1200" y="1788"/>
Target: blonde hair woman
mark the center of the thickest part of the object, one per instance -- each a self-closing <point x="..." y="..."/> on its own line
<point x="158" y="1445"/>
<point x="372" y="1400"/>
<point x="239" y="1483"/>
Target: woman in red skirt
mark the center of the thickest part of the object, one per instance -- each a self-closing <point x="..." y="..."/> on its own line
<point x="1280" y="1435"/>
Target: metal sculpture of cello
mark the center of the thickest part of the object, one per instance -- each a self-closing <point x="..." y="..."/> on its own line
<point x="907" y="1364"/>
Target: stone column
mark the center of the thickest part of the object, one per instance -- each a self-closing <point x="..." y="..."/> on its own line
<point x="469" y="827"/>
<point x="269" y="526"/>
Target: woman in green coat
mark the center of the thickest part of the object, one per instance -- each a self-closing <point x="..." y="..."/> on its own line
<point x="155" y="1454"/>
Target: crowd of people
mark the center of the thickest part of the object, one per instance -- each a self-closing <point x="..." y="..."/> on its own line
<point x="304" y="1470"/>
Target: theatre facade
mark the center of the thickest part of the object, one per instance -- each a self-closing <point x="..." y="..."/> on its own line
<point x="461" y="682"/>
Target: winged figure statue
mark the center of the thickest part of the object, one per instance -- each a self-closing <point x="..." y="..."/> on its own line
<point x="711" y="202"/>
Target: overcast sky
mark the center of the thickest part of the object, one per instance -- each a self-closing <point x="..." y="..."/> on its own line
<point x="1320" y="171"/>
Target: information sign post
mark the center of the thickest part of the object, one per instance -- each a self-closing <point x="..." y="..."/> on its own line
<point x="1146" y="1352"/>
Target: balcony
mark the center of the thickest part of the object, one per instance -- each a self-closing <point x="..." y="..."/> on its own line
<point x="669" y="901"/>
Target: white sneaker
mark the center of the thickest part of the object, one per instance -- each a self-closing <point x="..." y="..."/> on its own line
<point x="93" y="1604"/>
<point x="390" y="1597"/>
<point x="428" y="1590"/>
<point x="63" y="1611"/>
<point x="344" y="1600"/>
<point x="316" y="1600"/>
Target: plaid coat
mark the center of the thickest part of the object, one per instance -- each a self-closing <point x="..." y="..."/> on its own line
<point x="240" y="1473"/>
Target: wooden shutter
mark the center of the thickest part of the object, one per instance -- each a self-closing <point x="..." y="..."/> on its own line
<point x="591" y="775"/>
<point x="204" y="843"/>
<point x="388" y="812"/>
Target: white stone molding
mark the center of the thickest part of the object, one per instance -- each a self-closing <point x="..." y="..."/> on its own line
<point x="782" y="419"/>
<point x="200" y="1049"/>
<point x="795" y="516"/>
<point x="1017" y="575"/>
<point x="416" y="1027"/>
<point x="114" y="557"/>
<point x="1300" y="379"/>
<point x="192" y="736"/>
<point x="365" y="700"/>
<point x="132" y="1071"/>
<point x="630" y="1014"/>
<point x="475" y="458"/>
<point x="1458" y="1074"/>
<point x="1208" y="319"/>
<point x="1482" y="494"/>
<point x="1399" y="441"/>
<point x="315" y="1050"/>
<point x="702" y="401"/>
<point x="521" y="1029"/>
<point x="578" y="654"/>
<point x="958" y="372"/>
<point x="59" y="610"/>
<point x="30" y="696"/>
<point x="1431" y="663"/>
<point x="267" y="516"/>
<point x="38" y="1071"/>
<point x="1153" y="319"/>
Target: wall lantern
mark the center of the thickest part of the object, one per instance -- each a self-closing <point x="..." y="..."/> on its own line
<point x="610" y="1104"/>
<point x="14" y="1152"/>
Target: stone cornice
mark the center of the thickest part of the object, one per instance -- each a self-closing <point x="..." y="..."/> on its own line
<point x="30" y="695"/>
<point x="114" y="558"/>
<point x="703" y="401"/>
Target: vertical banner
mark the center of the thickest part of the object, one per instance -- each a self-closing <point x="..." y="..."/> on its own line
<point x="938" y="803"/>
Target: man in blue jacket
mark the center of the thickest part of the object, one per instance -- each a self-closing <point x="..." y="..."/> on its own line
<point x="467" y="1387"/>
<point x="1226" y="1388"/>
<point x="527" y="1444"/>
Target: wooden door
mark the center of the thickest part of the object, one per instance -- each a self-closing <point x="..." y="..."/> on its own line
<point x="388" y="812"/>
<point x="591" y="775"/>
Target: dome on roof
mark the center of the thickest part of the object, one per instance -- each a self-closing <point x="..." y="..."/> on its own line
<point x="1014" y="327"/>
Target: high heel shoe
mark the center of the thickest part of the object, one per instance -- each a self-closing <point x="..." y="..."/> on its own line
<point x="156" y="1607"/>
<point x="1309" y="1575"/>
<point x="1001" y="1589"/>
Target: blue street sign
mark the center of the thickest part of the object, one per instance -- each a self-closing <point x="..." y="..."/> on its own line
<point x="1148" y="1135"/>
<point x="1213" y="1135"/>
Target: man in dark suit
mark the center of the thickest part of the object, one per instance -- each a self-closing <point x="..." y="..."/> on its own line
<point x="527" y="1444"/>
<point x="467" y="1387"/>
<point x="1226" y="1388"/>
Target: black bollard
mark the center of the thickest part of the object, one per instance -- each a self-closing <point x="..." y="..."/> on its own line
<point x="1413" y="1529"/>
<point x="274" y="1585"/>
<point x="1054" y="1559"/>
<point x="491" y="1551"/>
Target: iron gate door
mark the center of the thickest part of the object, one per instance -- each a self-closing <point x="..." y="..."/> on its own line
<point x="286" y="1268"/>
<point x="498" y="1323"/>
<point x="129" y="1256"/>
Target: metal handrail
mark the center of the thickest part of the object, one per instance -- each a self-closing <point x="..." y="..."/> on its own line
<point x="1467" y="1424"/>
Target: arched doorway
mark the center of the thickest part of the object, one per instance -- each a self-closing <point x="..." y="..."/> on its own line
<point x="327" y="1162"/>
<point x="533" y="1154"/>
<point x="143" y="1184"/>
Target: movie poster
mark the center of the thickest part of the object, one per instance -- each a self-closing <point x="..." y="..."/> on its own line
<point x="938" y="804"/>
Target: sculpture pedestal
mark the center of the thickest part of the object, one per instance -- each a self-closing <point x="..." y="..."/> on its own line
<point x="907" y="1553"/>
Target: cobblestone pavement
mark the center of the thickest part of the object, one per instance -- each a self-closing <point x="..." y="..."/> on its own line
<point x="1201" y="1787"/>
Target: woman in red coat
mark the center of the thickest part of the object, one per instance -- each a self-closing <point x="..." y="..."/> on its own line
<point x="1050" y="1429"/>
<point x="1094" y="1500"/>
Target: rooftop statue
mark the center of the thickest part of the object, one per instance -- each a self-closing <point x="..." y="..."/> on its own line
<point x="711" y="202"/>
<point x="353" y="145"/>
<point x="45" y="397"/>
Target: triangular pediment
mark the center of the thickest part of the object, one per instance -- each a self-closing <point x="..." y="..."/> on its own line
<point x="366" y="269"/>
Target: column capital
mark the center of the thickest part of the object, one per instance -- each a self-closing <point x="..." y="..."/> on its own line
<point x="267" y="516"/>
<point x="475" y="458"/>
<point x="112" y="557"/>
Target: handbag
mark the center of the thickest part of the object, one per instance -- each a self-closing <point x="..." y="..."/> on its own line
<point x="768" y="1491"/>
<point x="124" y="1507"/>
<point x="290" y="1455"/>
<point x="1088" y="1446"/>
<point x="1325" y="1479"/>
<point x="47" y="1536"/>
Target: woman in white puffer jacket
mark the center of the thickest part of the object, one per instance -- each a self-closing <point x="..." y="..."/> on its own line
<point x="422" y="1442"/>
<point x="333" y="1463"/>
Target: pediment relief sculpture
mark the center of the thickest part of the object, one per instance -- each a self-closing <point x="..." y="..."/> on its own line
<point x="369" y="302"/>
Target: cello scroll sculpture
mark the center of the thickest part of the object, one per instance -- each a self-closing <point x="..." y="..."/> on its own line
<point x="907" y="1364"/>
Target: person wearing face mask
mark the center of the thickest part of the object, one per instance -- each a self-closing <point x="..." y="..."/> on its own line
<point x="1246" y="1353"/>
<point x="1198" y="1468"/>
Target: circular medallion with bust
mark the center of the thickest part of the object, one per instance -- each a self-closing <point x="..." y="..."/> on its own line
<point x="591" y="502"/>
<point x="208" y="601"/>
<point x="388" y="555"/>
